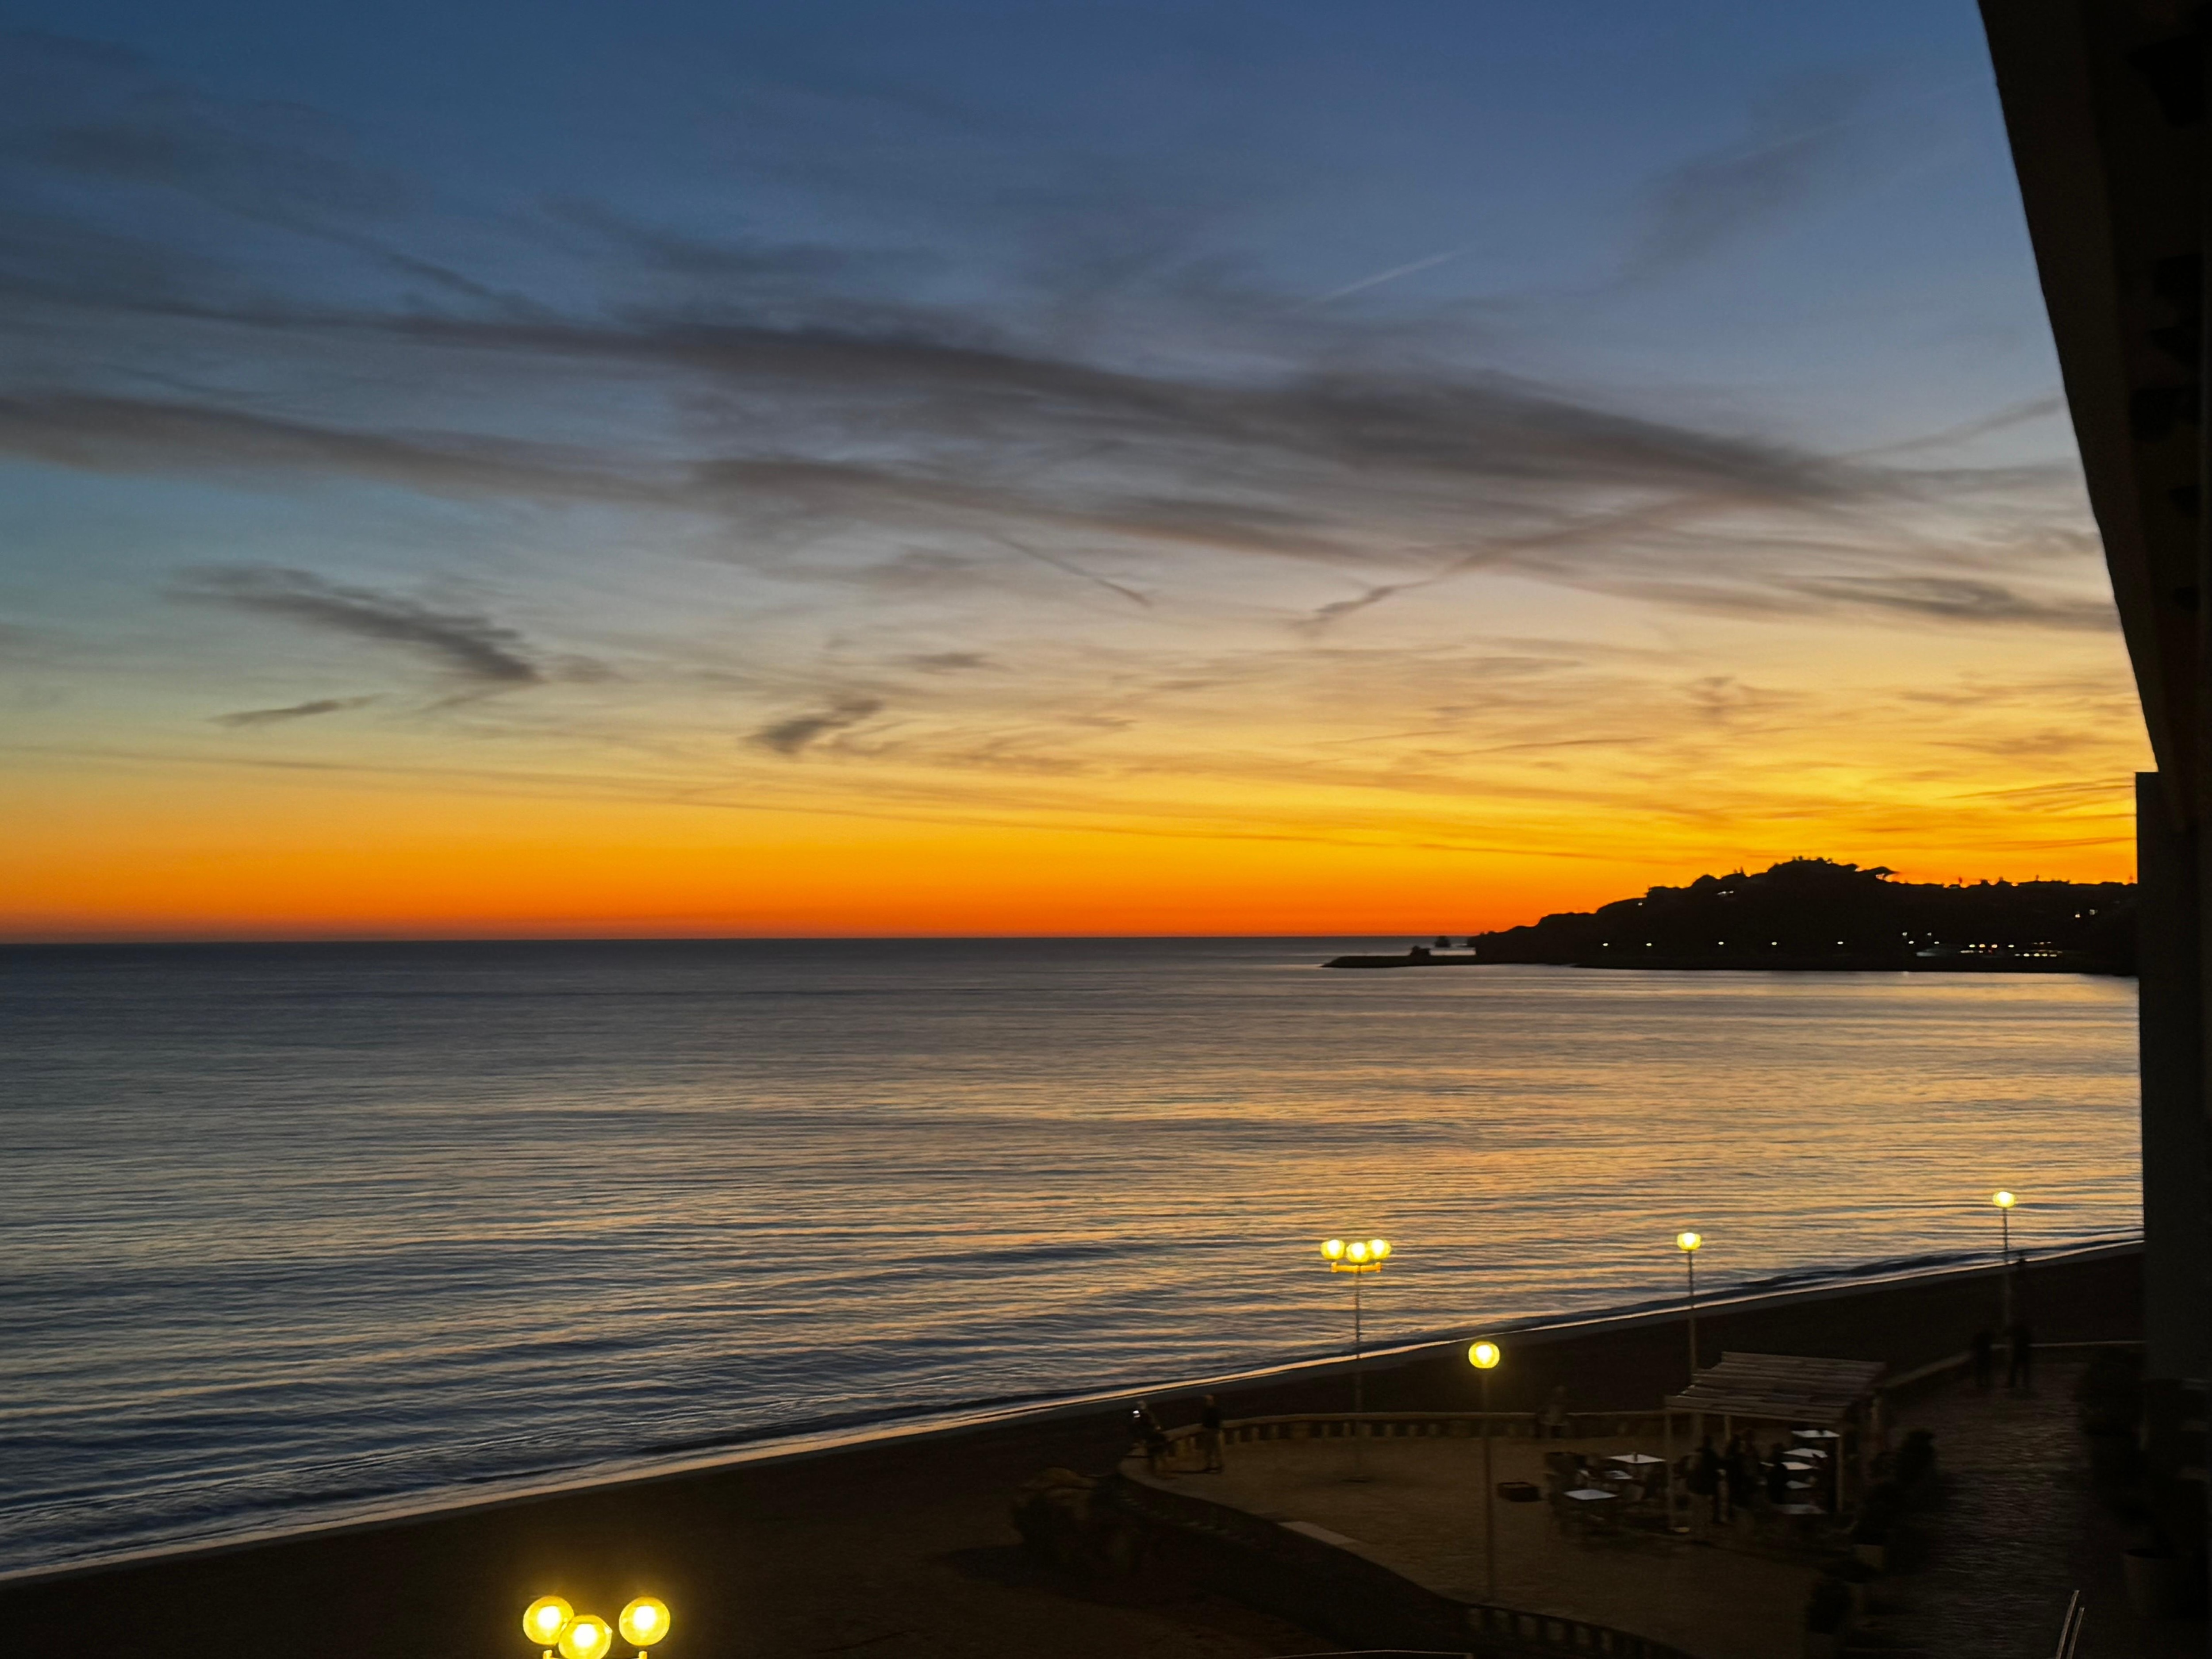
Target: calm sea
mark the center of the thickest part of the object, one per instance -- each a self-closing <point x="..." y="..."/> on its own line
<point x="288" y="1231"/>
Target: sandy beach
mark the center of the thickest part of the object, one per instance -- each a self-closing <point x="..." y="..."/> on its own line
<point x="902" y="1549"/>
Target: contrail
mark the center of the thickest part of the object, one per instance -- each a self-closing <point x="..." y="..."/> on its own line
<point x="1073" y="570"/>
<point x="1382" y="277"/>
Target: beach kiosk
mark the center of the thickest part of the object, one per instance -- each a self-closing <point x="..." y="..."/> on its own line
<point x="1827" y="1399"/>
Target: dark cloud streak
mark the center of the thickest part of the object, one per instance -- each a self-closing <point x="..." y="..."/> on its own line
<point x="298" y="711"/>
<point x="464" y="643"/>
<point x="792" y="735"/>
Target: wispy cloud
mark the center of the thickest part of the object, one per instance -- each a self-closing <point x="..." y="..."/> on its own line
<point x="466" y="644"/>
<point x="109" y="433"/>
<point x="298" y="711"/>
<point x="799" y="732"/>
<point x="1958" y="600"/>
<point x="1800" y="138"/>
<point x="788" y="395"/>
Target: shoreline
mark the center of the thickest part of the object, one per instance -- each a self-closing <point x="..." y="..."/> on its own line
<point x="2076" y="967"/>
<point x="784" y="1446"/>
<point x="903" y="1548"/>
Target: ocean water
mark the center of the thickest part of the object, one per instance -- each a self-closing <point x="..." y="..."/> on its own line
<point x="289" y="1232"/>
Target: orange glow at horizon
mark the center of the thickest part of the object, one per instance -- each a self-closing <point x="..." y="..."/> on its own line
<point x="253" y="857"/>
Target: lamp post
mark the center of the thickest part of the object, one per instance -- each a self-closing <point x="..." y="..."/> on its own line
<point x="1361" y="1257"/>
<point x="551" y="1623"/>
<point x="1358" y="1258"/>
<point x="1484" y="1356"/>
<point x="2004" y="1201"/>
<point x="1688" y="1245"/>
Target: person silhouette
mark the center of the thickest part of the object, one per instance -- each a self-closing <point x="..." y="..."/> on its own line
<point x="1553" y="1424"/>
<point x="1710" y="1479"/>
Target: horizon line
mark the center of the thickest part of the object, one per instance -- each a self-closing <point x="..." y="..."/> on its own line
<point x="155" y="941"/>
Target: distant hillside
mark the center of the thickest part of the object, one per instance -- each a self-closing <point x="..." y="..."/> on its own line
<point x="1813" y="913"/>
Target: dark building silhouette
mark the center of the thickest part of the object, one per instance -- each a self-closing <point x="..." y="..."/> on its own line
<point x="2105" y="105"/>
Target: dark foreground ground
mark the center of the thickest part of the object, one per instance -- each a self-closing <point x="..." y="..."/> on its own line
<point x="2022" y="1529"/>
<point x="903" y="1549"/>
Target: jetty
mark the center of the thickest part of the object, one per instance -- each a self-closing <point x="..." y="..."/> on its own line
<point x="1420" y="955"/>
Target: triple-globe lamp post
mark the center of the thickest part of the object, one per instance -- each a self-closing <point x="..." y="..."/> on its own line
<point x="1358" y="1258"/>
<point x="554" y="1626"/>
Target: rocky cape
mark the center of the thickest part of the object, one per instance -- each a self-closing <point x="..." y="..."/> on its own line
<point x="1816" y="914"/>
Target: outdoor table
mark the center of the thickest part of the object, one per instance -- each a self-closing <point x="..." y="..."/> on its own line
<point x="1634" y="1459"/>
<point x="1590" y="1495"/>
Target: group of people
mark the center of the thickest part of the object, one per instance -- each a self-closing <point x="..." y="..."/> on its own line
<point x="1151" y="1437"/>
<point x="1737" y="1477"/>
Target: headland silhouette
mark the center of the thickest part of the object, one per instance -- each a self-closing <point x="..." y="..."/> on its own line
<point x="1818" y="914"/>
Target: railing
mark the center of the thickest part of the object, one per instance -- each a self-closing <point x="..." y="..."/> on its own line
<point x="1958" y="1364"/>
<point x="1341" y="1586"/>
<point x="1415" y="1426"/>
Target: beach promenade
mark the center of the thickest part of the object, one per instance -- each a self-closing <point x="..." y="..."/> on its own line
<point x="1417" y="1504"/>
<point x="2020" y="1526"/>
<point x="904" y="1548"/>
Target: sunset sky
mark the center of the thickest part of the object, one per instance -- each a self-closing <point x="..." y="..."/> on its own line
<point x="822" y="468"/>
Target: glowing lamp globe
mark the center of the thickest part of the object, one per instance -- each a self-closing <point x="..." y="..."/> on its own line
<point x="586" y="1637"/>
<point x="1379" y="1248"/>
<point x="543" y="1619"/>
<point x="2003" y="1200"/>
<point x="1357" y="1249"/>
<point x="1688" y="1242"/>
<point x="1334" y="1249"/>
<point x="644" y="1622"/>
<point x="1484" y="1356"/>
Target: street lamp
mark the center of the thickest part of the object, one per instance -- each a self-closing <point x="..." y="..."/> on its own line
<point x="1361" y="1257"/>
<point x="551" y="1623"/>
<point x="1688" y="1245"/>
<point x="644" y="1622"/>
<point x="1484" y="1356"/>
<point x="2004" y="1201"/>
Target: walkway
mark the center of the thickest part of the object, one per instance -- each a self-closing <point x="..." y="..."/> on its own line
<point x="1420" y="1509"/>
<point x="2019" y="1532"/>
